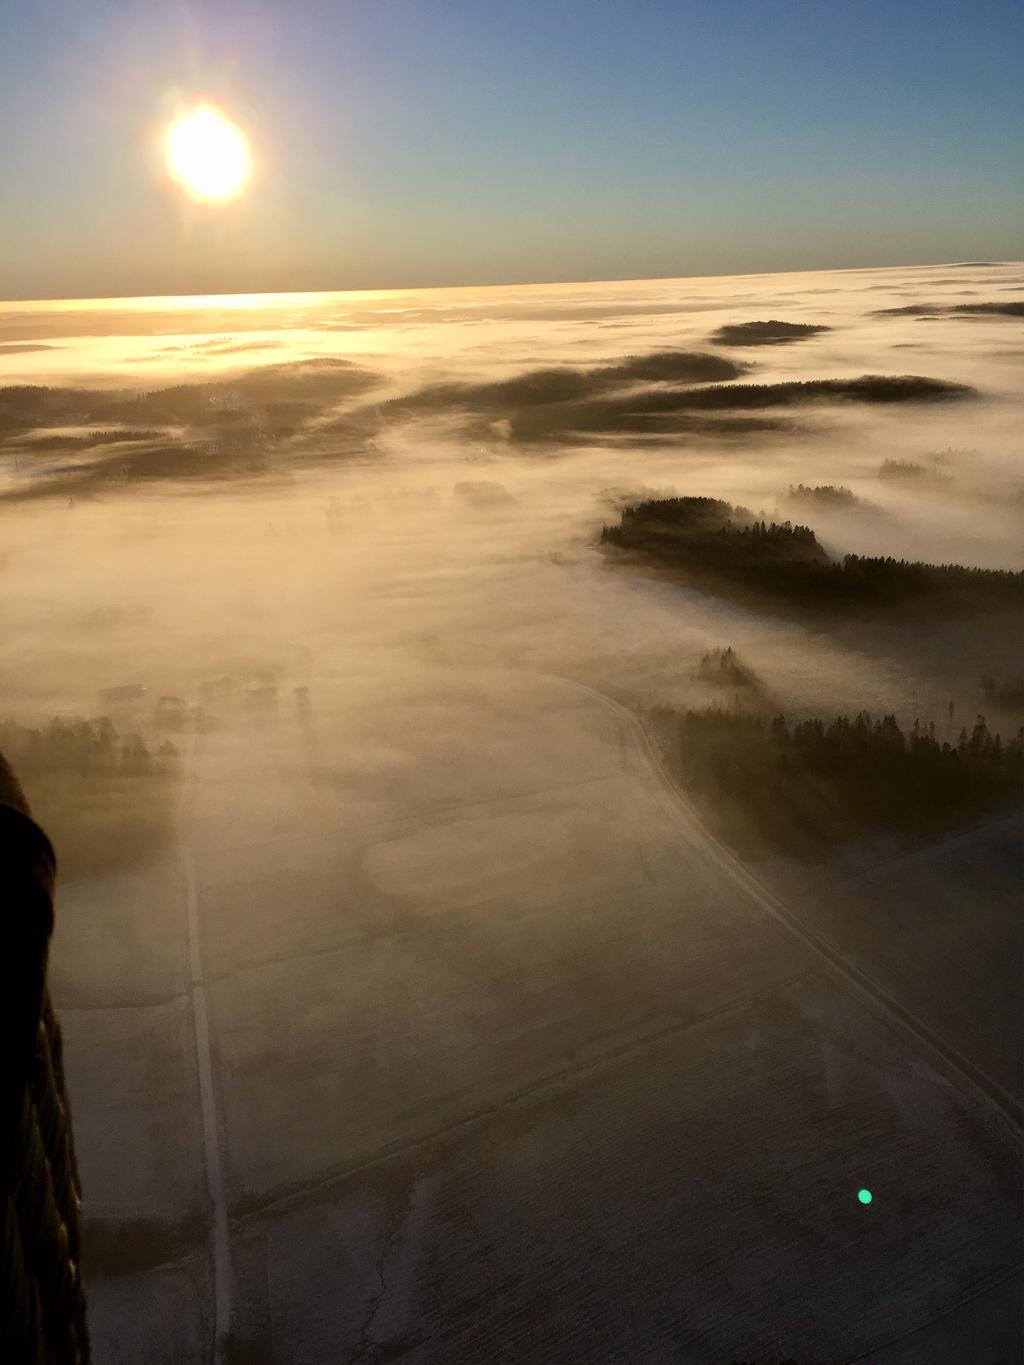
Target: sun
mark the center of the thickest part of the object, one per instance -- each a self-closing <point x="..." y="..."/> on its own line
<point x="208" y="155"/>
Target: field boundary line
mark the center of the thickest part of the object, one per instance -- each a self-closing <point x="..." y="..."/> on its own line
<point x="223" y="1286"/>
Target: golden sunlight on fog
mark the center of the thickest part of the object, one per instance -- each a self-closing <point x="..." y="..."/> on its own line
<point x="340" y="715"/>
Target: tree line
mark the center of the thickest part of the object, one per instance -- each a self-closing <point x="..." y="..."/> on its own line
<point x="784" y="564"/>
<point x="722" y="667"/>
<point x="84" y="748"/>
<point x="814" y="784"/>
<point x="106" y="798"/>
<point x="825" y="494"/>
<point x="908" y="470"/>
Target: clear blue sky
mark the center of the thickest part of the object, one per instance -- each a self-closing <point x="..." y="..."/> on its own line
<point x="417" y="142"/>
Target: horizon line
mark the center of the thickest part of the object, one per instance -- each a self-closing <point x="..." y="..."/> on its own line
<point x="94" y="300"/>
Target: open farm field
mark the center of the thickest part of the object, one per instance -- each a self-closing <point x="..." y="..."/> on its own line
<point x="418" y="1016"/>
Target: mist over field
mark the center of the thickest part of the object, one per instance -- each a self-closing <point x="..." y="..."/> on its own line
<point x="412" y="1009"/>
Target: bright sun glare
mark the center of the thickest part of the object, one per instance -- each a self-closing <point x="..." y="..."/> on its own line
<point x="208" y="155"/>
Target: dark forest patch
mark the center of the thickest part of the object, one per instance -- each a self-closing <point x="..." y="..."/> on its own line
<point x="807" y="788"/>
<point x="912" y="472"/>
<point x="105" y="797"/>
<point x="1013" y="309"/>
<point x="209" y="430"/>
<point x="681" y="409"/>
<point x="679" y="367"/>
<point x="830" y="496"/>
<point x="724" y="668"/>
<point x="771" y="333"/>
<point x="86" y="440"/>
<point x="143" y="463"/>
<point x="668" y="393"/>
<point x="635" y="415"/>
<point x="868" y="388"/>
<point x="303" y="387"/>
<point x="732" y="551"/>
<point x="563" y="384"/>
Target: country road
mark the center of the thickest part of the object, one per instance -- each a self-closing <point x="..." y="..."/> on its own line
<point x="222" y="1273"/>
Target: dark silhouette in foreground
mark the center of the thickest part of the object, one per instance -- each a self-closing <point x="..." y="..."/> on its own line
<point x="43" y="1301"/>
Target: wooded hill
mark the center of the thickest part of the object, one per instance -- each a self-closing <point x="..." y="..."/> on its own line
<point x="732" y="550"/>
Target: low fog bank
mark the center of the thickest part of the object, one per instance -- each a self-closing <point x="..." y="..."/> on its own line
<point x="410" y="506"/>
<point x="324" y="681"/>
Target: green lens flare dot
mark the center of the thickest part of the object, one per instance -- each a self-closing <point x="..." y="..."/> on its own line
<point x="865" y="1196"/>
